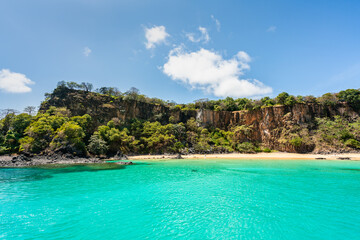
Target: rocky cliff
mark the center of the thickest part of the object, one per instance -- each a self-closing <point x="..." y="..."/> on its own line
<point x="102" y="108"/>
<point x="267" y="125"/>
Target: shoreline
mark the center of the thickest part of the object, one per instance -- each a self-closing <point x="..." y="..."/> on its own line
<point x="22" y="161"/>
<point x="7" y="161"/>
<point x="254" y="156"/>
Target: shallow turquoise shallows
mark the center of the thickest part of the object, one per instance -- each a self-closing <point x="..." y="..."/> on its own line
<point x="184" y="199"/>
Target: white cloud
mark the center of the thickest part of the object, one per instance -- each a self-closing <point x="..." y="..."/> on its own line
<point x="155" y="35"/>
<point x="271" y="29"/>
<point x="243" y="56"/>
<point x="203" y="37"/>
<point x="204" y="34"/>
<point x="217" y="22"/>
<point x="208" y="71"/>
<point x="87" y="51"/>
<point x="14" y="82"/>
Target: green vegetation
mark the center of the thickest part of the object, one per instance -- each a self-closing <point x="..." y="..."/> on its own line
<point x="54" y="131"/>
<point x="351" y="96"/>
<point x="57" y="130"/>
<point x="69" y="138"/>
<point x="337" y="133"/>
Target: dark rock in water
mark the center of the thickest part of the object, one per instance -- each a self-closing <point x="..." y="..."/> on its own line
<point x="125" y="163"/>
<point x="193" y="170"/>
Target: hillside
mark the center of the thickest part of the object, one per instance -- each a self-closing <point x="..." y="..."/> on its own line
<point x="78" y="121"/>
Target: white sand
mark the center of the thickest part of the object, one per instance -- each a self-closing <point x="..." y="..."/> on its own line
<point x="275" y="155"/>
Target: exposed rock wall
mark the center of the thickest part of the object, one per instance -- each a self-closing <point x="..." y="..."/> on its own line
<point x="102" y="108"/>
<point x="272" y="117"/>
<point x="266" y="123"/>
<point x="218" y="119"/>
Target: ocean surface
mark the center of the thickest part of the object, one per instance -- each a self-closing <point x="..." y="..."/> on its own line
<point x="183" y="199"/>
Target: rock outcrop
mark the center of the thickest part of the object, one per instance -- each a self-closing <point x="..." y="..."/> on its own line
<point x="266" y="123"/>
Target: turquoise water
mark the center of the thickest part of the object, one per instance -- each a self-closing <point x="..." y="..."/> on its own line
<point x="184" y="199"/>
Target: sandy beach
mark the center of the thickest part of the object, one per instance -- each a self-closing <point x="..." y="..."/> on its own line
<point x="275" y="155"/>
<point x="21" y="161"/>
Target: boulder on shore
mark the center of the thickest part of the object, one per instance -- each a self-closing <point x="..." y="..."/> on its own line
<point x="178" y="156"/>
<point x="21" y="158"/>
<point x="120" y="156"/>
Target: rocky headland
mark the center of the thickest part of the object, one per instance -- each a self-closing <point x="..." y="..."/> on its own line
<point x="77" y="125"/>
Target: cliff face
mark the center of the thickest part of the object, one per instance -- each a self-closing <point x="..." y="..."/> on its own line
<point x="102" y="108"/>
<point x="274" y="116"/>
<point x="270" y="125"/>
<point x="267" y="125"/>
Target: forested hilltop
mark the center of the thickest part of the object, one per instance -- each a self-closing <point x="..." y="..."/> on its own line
<point x="75" y="119"/>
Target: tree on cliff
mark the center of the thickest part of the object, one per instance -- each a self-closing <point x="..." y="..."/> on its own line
<point x="87" y="87"/>
<point x="281" y="98"/>
<point x="328" y="99"/>
<point x="111" y="91"/>
<point x="267" y="101"/>
<point x="30" y="110"/>
<point x="7" y="111"/>
<point x="351" y="96"/>
<point x="132" y="94"/>
<point x="285" y="99"/>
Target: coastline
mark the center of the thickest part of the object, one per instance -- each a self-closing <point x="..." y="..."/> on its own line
<point x="21" y="161"/>
<point x="264" y="156"/>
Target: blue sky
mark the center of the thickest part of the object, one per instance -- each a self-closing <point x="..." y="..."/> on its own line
<point x="198" y="49"/>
